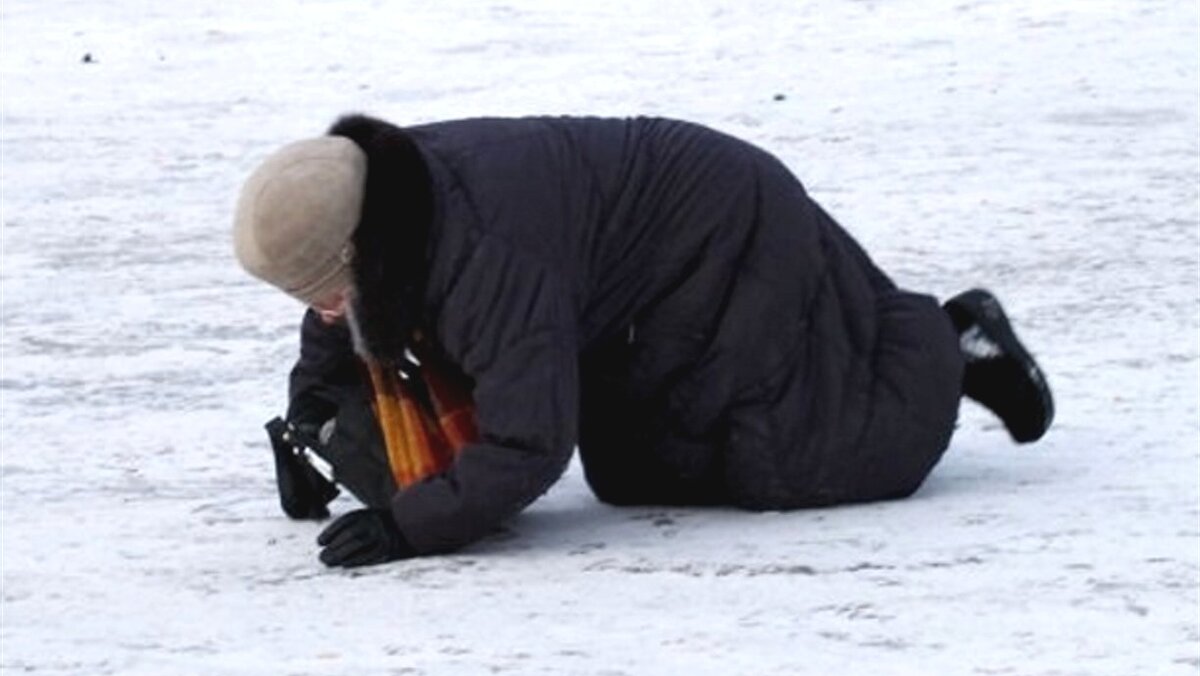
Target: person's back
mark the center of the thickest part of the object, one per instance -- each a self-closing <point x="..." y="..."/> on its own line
<point x="700" y="273"/>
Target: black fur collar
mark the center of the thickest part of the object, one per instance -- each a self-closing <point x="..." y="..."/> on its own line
<point x="391" y="257"/>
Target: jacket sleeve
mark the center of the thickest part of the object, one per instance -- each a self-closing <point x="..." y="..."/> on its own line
<point x="326" y="369"/>
<point x="506" y="321"/>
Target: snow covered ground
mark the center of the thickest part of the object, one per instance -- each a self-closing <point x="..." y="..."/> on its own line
<point x="1046" y="149"/>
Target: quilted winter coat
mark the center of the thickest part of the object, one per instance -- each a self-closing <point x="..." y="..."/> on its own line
<point x="661" y="295"/>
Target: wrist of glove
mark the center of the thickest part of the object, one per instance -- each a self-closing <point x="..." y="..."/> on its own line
<point x="364" y="537"/>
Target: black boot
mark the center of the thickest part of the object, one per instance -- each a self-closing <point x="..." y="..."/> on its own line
<point x="1000" y="373"/>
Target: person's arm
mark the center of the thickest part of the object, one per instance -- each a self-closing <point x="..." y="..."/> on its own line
<point x="327" y="366"/>
<point x="508" y="323"/>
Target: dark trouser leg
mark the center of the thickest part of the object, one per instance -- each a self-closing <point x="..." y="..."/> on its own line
<point x="629" y="455"/>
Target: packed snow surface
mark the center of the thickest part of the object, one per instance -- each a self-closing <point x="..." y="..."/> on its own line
<point x="1047" y="150"/>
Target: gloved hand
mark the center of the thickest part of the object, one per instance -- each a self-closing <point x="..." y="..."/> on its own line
<point x="363" y="537"/>
<point x="303" y="492"/>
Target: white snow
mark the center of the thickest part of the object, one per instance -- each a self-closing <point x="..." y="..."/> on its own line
<point x="1048" y="150"/>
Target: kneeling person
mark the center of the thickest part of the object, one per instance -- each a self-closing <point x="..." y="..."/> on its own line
<point x="663" y="296"/>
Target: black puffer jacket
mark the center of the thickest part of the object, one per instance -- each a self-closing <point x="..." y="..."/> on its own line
<point x="665" y="296"/>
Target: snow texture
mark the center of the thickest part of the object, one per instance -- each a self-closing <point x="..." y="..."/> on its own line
<point x="1047" y="150"/>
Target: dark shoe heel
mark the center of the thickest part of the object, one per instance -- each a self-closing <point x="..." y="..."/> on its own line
<point x="1000" y="373"/>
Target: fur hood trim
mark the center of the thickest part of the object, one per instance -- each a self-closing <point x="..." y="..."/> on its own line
<point x="392" y="241"/>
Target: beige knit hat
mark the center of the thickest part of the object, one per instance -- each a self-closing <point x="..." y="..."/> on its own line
<point x="297" y="214"/>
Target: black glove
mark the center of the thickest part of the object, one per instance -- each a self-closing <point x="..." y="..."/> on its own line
<point x="303" y="492"/>
<point x="363" y="537"/>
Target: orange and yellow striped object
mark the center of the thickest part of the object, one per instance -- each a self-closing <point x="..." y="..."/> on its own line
<point x="422" y="442"/>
